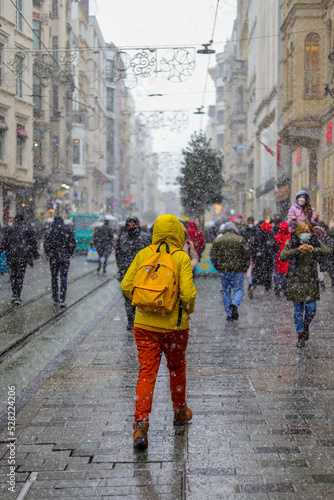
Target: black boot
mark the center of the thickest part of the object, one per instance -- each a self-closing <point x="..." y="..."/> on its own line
<point x="306" y="331"/>
<point x="301" y="340"/>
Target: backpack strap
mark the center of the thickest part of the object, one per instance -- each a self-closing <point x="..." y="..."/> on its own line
<point x="167" y="247"/>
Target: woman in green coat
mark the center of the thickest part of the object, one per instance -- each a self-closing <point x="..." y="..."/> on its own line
<point x="303" y="252"/>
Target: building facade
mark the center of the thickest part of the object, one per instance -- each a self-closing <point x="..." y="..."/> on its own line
<point x="16" y="110"/>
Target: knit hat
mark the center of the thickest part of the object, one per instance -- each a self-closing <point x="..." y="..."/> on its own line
<point x="266" y="227"/>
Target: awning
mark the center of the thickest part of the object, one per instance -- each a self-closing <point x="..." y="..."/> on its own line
<point x="21" y="132"/>
<point x="3" y="125"/>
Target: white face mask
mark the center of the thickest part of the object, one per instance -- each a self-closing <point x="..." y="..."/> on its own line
<point x="305" y="237"/>
<point x="301" y="201"/>
<point x="250" y="226"/>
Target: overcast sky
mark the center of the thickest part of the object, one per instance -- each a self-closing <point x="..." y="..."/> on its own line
<point x="154" y="23"/>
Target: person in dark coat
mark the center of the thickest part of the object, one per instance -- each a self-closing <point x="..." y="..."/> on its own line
<point x="230" y="255"/>
<point x="20" y="244"/>
<point x="266" y="247"/>
<point x="251" y="233"/>
<point x="303" y="252"/>
<point x="103" y="242"/>
<point x="59" y="245"/>
<point x="329" y="242"/>
<point x="275" y="223"/>
<point x="130" y="241"/>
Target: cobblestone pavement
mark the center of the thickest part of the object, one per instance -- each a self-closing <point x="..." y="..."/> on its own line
<point x="262" y="412"/>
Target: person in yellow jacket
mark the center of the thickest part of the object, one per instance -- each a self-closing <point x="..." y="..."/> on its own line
<point x="158" y="333"/>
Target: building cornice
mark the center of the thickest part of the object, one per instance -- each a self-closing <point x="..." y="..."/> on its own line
<point x="291" y="17"/>
<point x="267" y="100"/>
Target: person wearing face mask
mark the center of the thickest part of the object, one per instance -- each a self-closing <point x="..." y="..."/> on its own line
<point x="302" y="211"/>
<point x="130" y="241"/>
<point x="250" y="233"/>
<point x="303" y="251"/>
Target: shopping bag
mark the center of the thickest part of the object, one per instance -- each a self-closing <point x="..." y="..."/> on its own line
<point x="92" y="255"/>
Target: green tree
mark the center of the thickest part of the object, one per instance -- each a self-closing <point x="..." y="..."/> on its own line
<point x="201" y="178"/>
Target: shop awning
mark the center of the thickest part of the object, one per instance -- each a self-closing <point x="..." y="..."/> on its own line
<point x="21" y="132"/>
<point x="3" y="125"/>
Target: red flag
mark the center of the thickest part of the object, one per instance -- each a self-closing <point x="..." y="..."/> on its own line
<point x="329" y="132"/>
<point x="270" y="151"/>
<point x="279" y="151"/>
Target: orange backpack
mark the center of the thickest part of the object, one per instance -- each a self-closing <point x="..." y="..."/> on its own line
<point x="156" y="283"/>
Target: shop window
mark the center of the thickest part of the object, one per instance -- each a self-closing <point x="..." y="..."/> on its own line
<point x="36" y="44"/>
<point x="312" y="65"/>
<point x="110" y="99"/>
<point x="19" y="75"/>
<point x="55" y="153"/>
<point x="21" y="137"/>
<point x="55" y="48"/>
<point x="55" y="8"/>
<point x="3" y="130"/>
<point x="109" y="69"/>
<point x="37" y="148"/>
<point x="220" y="116"/>
<point x="220" y="93"/>
<point x="55" y="101"/>
<point x="37" y="93"/>
<point x="76" y="151"/>
<point x="220" y="140"/>
<point x="19" y="14"/>
<point x="1" y="64"/>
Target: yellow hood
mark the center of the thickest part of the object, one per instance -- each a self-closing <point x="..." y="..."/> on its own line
<point x="168" y="228"/>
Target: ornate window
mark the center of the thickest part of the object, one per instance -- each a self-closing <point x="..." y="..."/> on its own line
<point x="37" y="93"/>
<point x="19" y="75"/>
<point x="312" y="65"/>
<point x="76" y="151"/>
<point x="36" y="45"/>
<point x="19" y="13"/>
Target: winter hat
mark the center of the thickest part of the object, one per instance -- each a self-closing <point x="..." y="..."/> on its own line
<point x="302" y="193"/>
<point x="283" y="228"/>
<point x="266" y="227"/>
<point x="230" y="226"/>
<point x="302" y="227"/>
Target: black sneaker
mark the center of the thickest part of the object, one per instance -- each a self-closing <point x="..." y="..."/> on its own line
<point x="18" y="301"/>
<point x="234" y="311"/>
<point x="229" y="318"/>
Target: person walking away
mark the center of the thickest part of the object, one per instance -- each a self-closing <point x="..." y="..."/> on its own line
<point x="266" y="247"/>
<point x="281" y="268"/>
<point x="196" y="237"/>
<point x="329" y="242"/>
<point x="130" y="241"/>
<point x="301" y="211"/>
<point x="250" y="233"/>
<point x="303" y="252"/>
<point x="157" y="332"/>
<point x="103" y="242"/>
<point x="20" y="244"/>
<point x="230" y="255"/>
<point x="59" y="246"/>
<point x="189" y="248"/>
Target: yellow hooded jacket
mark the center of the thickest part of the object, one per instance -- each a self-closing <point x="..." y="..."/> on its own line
<point x="166" y="228"/>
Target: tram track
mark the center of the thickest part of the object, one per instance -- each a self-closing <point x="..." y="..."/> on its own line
<point x="19" y="342"/>
<point x="13" y="307"/>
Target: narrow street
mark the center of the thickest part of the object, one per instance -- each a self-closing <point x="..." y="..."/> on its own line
<point x="262" y="423"/>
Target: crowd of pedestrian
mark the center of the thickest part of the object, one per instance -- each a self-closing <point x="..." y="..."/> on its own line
<point x="156" y="269"/>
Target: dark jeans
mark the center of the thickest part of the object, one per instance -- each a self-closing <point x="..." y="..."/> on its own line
<point x="60" y="268"/>
<point x="304" y="313"/>
<point x="130" y="311"/>
<point x="17" y="272"/>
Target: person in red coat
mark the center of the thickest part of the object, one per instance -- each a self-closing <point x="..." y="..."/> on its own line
<point x="197" y="237"/>
<point x="281" y="268"/>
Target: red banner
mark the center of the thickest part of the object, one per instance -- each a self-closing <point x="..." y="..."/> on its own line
<point x="329" y="132"/>
<point x="279" y="151"/>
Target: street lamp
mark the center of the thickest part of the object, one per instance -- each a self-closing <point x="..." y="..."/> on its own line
<point x="206" y="49"/>
<point x="199" y="111"/>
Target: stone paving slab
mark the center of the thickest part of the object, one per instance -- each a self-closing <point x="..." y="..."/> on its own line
<point x="263" y="412"/>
